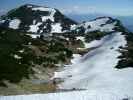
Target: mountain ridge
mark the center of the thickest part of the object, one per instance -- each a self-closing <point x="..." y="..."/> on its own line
<point x="45" y="39"/>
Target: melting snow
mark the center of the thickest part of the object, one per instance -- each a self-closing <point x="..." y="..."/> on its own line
<point x="56" y="28"/>
<point x="96" y="70"/>
<point x="50" y="10"/>
<point x="95" y="43"/>
<point x="34" y="36"/>
<point x="96" y="25"/>
<point x="73" y="27"/>
<point x="75" y="59"/>
<point x="2" y="21"/>
<point x="108" y="27"/>
<point x="41" y="9"/>
<point x="80" y="38"/>
<point x="91" y="71"/>
<point x="17" y="57"/>
<point x="34" y="28"/>
<point x="14" y="24"/>
<point x="21" y="51"/>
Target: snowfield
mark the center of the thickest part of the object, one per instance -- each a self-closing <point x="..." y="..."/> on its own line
<point x="34" y="28"/>
<point x="93" y="73"/>
<point x="76" y="95"/>
<point x="94" y="43"/>
<point x="50" y="10"/>
<point x="95" y="69"/>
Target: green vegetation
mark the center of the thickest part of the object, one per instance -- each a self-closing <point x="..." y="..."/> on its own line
<point x="19" y="53"/>
<point x="126" y="53"/>
<point x="95" y="35"/>
<point x="119" y="27"/>
<point x="13" y="69"/>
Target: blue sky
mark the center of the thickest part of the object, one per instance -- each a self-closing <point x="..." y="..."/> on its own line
<point x="112" y="7"/>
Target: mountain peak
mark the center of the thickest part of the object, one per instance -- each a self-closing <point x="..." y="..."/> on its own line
<point x="37" y="19"/>
<point x="32" y="5"/>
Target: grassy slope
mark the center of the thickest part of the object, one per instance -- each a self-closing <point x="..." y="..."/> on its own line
<point x="13" y="69"/>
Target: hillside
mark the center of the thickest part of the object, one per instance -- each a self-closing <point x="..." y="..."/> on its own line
<point x="42" y="50"/>
<point x="24" y="58"/>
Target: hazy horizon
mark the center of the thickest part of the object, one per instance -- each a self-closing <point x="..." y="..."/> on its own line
<point x="109" y="7"/>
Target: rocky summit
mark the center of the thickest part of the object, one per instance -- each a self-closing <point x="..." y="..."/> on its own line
<point x="37" y="19"/>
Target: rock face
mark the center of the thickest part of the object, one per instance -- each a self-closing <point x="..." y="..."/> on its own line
<point x="37" y="19"/>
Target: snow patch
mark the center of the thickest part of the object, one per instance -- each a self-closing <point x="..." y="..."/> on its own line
<point x="76" y="58"/>
<point x="14" y="24"/>
<point x="41" y="8"/>
<point x="34" y="36"/>
<point x="73" y="27"/>
<point x="21" y="51"/>
<point x="34" y="28"/>
<point x="99" y="24"/>
<point x="17" y="57"/>
<point x="56" y="28"/>
<point x="80" y="38"/>
<point x="2" y="21"/>
<point x="92" y="44"/>
<point x="50" y="10"/>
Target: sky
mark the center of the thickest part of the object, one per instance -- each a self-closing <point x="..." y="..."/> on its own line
<point x="111" y="7"/>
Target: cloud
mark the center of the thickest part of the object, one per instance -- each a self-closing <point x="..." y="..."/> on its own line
<point x="79" y="9"/>
<point x="96" y="10"/>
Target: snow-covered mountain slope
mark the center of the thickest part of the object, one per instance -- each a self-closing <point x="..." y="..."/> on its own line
<point x="37" y="19"/>
<point x="103" y="24"/>
<point x="95" y="72"/>
<point x="75" y="95"/>
<point x="94" y="75"/>
<point x="96" y="69"/>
